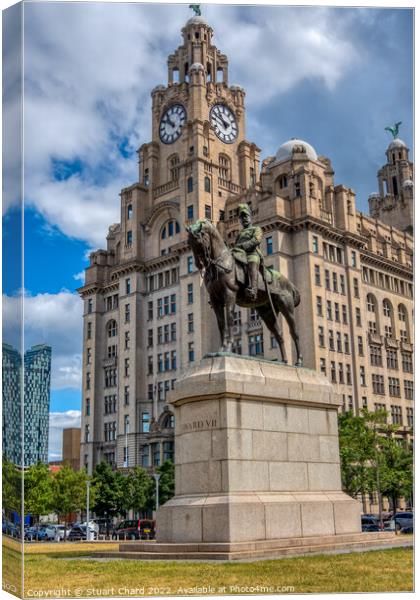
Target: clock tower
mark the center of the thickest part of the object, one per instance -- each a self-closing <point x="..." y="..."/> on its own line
<point x="198" y="135"/>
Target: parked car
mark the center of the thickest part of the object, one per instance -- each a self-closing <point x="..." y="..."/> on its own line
<point x="400" y="520"/>
<point x="407" y="530"/>
<point x="78" y="532"/>
<point x="36" y="533"/>
<point x="370" y="523"/>
<point x="104" y="524"/>
<point x="54" y="530"/>
<point x="135" y="529"/>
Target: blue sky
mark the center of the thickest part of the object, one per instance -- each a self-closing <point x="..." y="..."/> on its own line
<point x="332" y="76"/>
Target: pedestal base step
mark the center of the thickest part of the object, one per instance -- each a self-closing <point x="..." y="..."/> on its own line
<point x="258" y="549"/>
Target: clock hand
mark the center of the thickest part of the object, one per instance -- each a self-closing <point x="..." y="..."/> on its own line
<point x="222" y="122"/>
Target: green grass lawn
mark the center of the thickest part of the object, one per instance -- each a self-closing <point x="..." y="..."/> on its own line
<point x="375" y="571"/>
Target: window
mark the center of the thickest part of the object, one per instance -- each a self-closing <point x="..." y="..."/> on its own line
<point x="87" y="406"/>
<point x="173" y="304"/>
<point x="190" y="212"/>
<point x="402" y="316"/>
<point x="353" y="259"/>
<point x="319" y="306"/>
<point x="410" y="416"/>
<point x="166" y="362"/>
<point x="237" y="346"/>
<point x="150" y="365"/>
<point x="404" y="336"/>
<point x="340" y="373"/>
<point x="156" y="454"/>
<point x="391" y="359"/>
<point x="376" y="356"/>
<point x="356" y="292"/>
<point x="348" y="374"/>
<point x="126" y="367"/>
<point x="338" y="339"/>
<point x="372" y="327"/>
<point x="87" y="433"/>
<point x="344" y="312"/>
<point x="329" y="310"/>
<point x="360" y="345"/>
<point x="189" y="185"/>
<point x="126" y="395"/>
<point x="146" y="177"/>
<point x="315" y="245"/>
<point x="331" y="339"/>
<point x="396" y="414"/>
<point x="378" y="384"/>
<point x="394" y="386"/>
<point x="145" y="456"/>
<point x="407" y="362"/>
<point x="173" y="360"/>
<point x="346" y="343"/>
<point x="207" y="211"/>
<point x="317" y="275"/>
<point x="322" y="366"/>
<point x="88" y="381"/>
<point x="362" y="376"/>
<point x="297" y="189"/>
<point x="112" y="328"/>
<point x="90" y="305"/>
<point x="337" y="311"/>
<point x="190" y="323"/>
<point x="408" y="389"/>
<point x="190" y="293"/>
<point x="333" y="372"/>
<point x="168" y="450"/>
<point x="127" y="340"/>
<point x="207" y="184"/>
<point x="150" y="338"/>
<point x="190" y="264"/>
<point x="255" y="345"/>
<point x="335" y="282"/>
<point x="358" y="317"/>
<point x="150" y="310"/>
<point x="327" y="280"/>
<point x="88" y="356"/>
<point x="321" y="337"/>
<point x="387" y="308"/>
<point x="174" y="167"/>
<point x="388" y="331"/>
<point x="160" y="363"/>
<point x="127" y="313"/>
<point x="145" y="422"/>
<point x="128" y="286"/>
<point x="89" y="330"/>
<point x="364" y="402"/>
<point x="129" y="211"/>
<point x="129" y="238"/>
<point x="269" y="245"/>
<point x="370" y="303"/>
<point x="191" y="356"/>
<point x="173" y="332"/>
<point x="112" y="351"/>
<point x="342" y="284"/>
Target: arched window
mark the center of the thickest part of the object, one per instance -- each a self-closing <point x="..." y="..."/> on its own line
<point x="370" y="303"/>
<point x="207" y="185"/>
<point x="224" y="167"/>
<point x="282" y="181"/>
<point x="129" y="211"/>
<point x="170" y="229"/>
<point x="402" y="313"/>
<point x="169" y="421"/>
<point x="173" y="163"/>
<point x="112" y="328"/>
<point x="387" y="308"/>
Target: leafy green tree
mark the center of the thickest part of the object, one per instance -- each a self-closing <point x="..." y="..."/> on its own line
<point x="11" y="486"/>
<point x="69" y="492"/>
<point x="109" y="491"/>
<point x="138" y="489"/>
<point x="166" y="481"/>
<point x="395" y="469"/>
<point x="38" y="490"/>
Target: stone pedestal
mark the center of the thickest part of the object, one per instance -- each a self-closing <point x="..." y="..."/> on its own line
<point x="256" y="456"/>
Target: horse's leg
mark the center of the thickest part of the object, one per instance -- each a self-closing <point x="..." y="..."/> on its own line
<point x="266" y="314"/>
<point x="219" y="309"/>
<point x="289" y="316"/>
<point x="229" y="310"/>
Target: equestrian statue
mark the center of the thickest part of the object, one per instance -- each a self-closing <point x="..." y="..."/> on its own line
<point x="239" y="277"/>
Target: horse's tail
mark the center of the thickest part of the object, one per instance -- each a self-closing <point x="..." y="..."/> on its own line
<point x="296" y="296"/>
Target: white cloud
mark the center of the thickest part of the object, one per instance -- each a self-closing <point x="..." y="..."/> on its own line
<point x="90" y="69"/>
<point x="58" y="422"/>
<point x="80" y="276"/>
<point x="54" y="319"/>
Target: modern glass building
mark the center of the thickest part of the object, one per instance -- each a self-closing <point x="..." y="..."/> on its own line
<point x="37" y="377"/>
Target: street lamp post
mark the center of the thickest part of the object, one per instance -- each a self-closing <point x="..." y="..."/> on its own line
<point x="157" y="477"/>
<point x="87" y="510"/>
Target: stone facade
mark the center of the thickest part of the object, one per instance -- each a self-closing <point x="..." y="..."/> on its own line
<point x="146" y="313"/>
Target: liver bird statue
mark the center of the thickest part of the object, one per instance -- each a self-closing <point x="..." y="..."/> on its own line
<point x="394" y="130"/>
<point x="196" y="9"/>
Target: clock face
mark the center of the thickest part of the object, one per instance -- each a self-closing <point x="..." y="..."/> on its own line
<point x="224" y="123"/>
<point x="171" y="123"/>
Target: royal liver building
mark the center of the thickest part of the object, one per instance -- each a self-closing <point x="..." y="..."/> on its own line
<point x="146" y="313"/>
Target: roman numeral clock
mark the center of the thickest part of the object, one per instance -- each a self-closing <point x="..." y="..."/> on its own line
<point x="171" y="123"/>
<point x="224" y="123"/>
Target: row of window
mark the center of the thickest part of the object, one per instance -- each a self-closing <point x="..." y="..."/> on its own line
<point x="333" y="313"/>
<point x="387" y="282"/>
<point x="165" y="306"/>
<point x="332" y="253"/>
<point x="165" y="334"/>
<point x="162" y="280"/>
<point x="333" y="281"/>
<point x="391" y="358"/>
<point x="165" y="361"/>
<point x="378" y="386"/>
<point x="153" y="455"/>
<point x="160" y="389"/>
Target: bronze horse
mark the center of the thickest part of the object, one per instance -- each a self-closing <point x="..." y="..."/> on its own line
<point x="226" y="282"/>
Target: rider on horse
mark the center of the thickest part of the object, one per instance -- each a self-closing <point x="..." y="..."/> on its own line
<point x="247" y="249"/>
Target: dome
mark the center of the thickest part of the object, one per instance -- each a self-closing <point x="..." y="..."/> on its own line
<point x="286" y="150"/>
<point x="397" y="143"/>
<point x="197" y="67"/>
<point x="374" y="195"/>
<point x="196" y="21"/>
<point x="158" y="88"/>
<point x="408" y="183"/>
<point x="237" y="87"/>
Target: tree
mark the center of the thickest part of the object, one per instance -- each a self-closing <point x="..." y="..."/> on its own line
<point x="166" y="481"/>
<point x="38" y="490"/>
<point x="11" y="486"/>
<point x="395" y="469"/>
<point x="109" y="495"/>
<point x="69" y="492"/>
<point x="138" y="490"/>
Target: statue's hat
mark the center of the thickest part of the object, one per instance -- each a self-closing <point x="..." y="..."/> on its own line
<point x="243" y="209"/>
